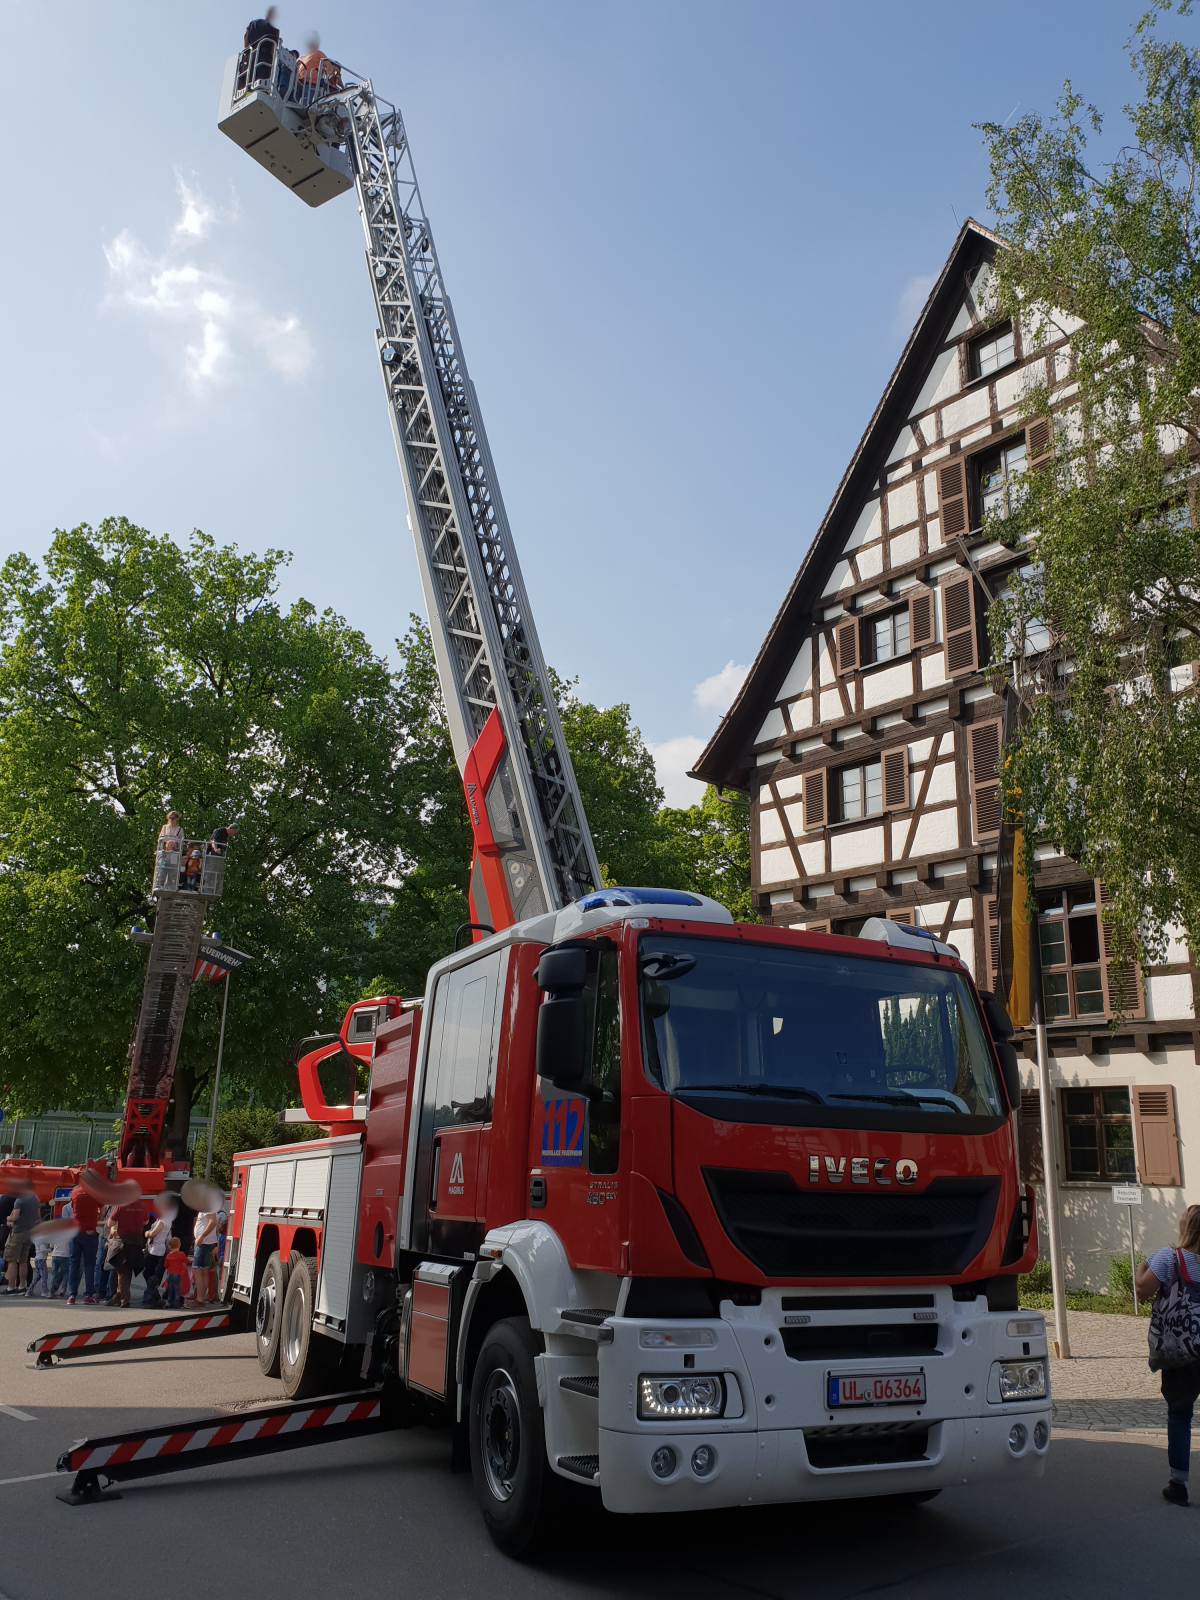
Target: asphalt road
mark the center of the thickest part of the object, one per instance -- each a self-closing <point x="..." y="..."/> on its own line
<point x="384" y="1516"/>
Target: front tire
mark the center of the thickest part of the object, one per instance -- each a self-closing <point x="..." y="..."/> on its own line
<point x="268" y="1310"/>
<point x="514" y="1483"/>
<point x="306" y="1359"/>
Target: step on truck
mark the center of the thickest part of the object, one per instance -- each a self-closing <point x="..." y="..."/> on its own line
<point x="694" y="1212"/>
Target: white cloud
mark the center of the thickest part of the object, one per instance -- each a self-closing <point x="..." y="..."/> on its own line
<point x="216" y="318"/>
<point x="672" y="759"/>
<point x="717" y="693"/>
<point x="912" y="298"/>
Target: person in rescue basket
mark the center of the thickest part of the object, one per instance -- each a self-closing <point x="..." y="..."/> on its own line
<point x="1172" y="1277"/>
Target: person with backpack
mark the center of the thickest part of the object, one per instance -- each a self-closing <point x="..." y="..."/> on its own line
<point x="1172" y="1277"/>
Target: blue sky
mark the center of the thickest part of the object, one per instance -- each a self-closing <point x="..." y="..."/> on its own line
<point x="685" y="242"/>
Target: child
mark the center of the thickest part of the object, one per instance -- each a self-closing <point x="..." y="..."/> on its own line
<point x="39" y="1289"/>
<point x="175" y="1265"/>
<point x="192" y="863"/>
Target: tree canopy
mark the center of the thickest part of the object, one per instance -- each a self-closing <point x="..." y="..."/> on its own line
<point x="136" y="675"/>
<point x="1105" y="615"/>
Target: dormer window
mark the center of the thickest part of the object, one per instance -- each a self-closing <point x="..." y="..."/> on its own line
<point x="997" y="349"/>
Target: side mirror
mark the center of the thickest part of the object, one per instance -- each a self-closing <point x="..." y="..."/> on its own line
<point x="1001" y="1028"/>
<point x="562" y="1019"/>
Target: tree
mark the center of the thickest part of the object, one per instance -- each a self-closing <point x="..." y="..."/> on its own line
<point x="135" y="675"/>
<point x="1106" y="760"/>
<point x="245" y="1128"/>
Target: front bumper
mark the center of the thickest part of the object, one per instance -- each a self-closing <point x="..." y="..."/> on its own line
<point x="958" y="1436"/>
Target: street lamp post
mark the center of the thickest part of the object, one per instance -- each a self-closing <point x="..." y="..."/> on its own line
<point x="212" y="1115"/>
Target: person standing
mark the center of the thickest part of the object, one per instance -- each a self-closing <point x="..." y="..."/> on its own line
<point x="203" y="1256"/>
<point x="60" y="1258"/>
<point x="1156" y="1277"/>
<point x="86" y="1211"/>
<point x="19" y="1244"/>
<point x="175" y="1264"/>
<point x="157" y="1239"/>
<point x="130" y="1222"/>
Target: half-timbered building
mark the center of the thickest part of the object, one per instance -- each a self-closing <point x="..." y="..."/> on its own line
<point x="867" y="735"/>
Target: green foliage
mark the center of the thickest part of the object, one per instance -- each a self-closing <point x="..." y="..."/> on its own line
<point x="244" y="1129"/>
<point x="1107" y="757"/>
<point x="135" y="675"/>
<point x="1036" y="1290"/>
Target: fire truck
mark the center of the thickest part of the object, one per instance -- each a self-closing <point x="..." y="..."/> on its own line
<point x="635" y="1198"/>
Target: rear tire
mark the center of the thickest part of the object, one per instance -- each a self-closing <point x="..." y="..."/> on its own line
<point x="268" y="1309"/>
<point x="307" y="1360"/>
<point x="515" y="1485"/>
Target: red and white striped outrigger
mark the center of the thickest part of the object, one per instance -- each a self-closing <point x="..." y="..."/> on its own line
<point x="122" y="1335"/>
<point x="178" y="1447"/>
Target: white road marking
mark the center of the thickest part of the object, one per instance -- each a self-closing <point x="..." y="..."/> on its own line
<point x="29" y="1478"/>
<point x="21" y="1416"/>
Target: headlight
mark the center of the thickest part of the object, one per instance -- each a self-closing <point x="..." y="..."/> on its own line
<point x="1022" y="1380"/>
<point x="685" y="1398"/>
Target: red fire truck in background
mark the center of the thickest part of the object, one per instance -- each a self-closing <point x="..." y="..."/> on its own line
<point x="698" y="1212"/>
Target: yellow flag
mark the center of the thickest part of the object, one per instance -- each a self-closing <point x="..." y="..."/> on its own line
<point x="1019" y="1004"/>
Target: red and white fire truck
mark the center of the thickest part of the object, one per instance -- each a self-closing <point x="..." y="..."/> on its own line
<point x="695" y="1212"/>
<point x="698" y="1212"/>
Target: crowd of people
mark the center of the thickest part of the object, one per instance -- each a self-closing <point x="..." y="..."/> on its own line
<point x="190" y="852"/>
<point x="174" y="1251"/>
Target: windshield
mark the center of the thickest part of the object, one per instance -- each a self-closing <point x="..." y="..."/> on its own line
<point x="843" y="1032"/>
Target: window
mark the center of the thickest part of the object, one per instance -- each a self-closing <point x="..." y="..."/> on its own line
<point x="1069" y="938"/>
<point x="989" y="354"/>
<point x="1098" y="1134"/>
<point x="1000" y="472"/>
<point x="860" y="791"/>
<point x="889" y="635"/>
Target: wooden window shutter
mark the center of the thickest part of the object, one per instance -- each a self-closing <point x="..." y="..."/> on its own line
<point x="817" y="927"/>
<point x="847" y="646"/>
<point x="983" y="745"/>
<point x="958" y="626"/>
<point x="1029" y="1137"/>
<point x="895" y="779"/>
<point x="901" y="916"/>
<point x="991" y="945"/>
<point x="816" y="811"/>
<point x="952" y="492"/>
<point x="1039" y="441"/>
<point x="1122" y="982"/>
<point x="1156" y="1133"/>
<point x="920" y="619"/>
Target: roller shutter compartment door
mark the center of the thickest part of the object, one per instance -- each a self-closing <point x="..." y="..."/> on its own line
<point x="312" y="1181"/>
<point x="278" y="1190"/>
<point x="248" y="1239"/>
<point x="338" y="1237"/>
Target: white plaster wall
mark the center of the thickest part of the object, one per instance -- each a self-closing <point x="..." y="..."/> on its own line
<point x="1012" y="386"/>
<point x="941" y="382"/>
<point x="1177" y="948"/>
<point x="963" y="940"/>
<point x="831" y="705"/>
<point x="946" y="744"/>
<point x="837" y="578"/>
<point x="935" y="831"/>
<point x="869" y="526"/>
<point x="1093" y="1229"/>
<point x="906" y="547"/>
<point x="941" y="784"/>
<point x="960" y="414"/>
<point x="863" y="847"/>
<point x="905" y="445"/>
<point x="770" y="828"/>
<point x="919" y="749"/>
<point x="962" y="322"/>
<point x="890" y="684"/>
<point x="801" y="713"/>
<point x="800" y="676"/>
<point x="776" y="866"/>
<point x="1170" y="996"/>
<point x="902" y="505"/>
<point x="772" y="727"/>
<point x="900" y="827"/>
<point x="812" y="854"/>
<point x="825" y="662"/>
<point x="933" y="670"/>
<point x="933" y="530"/>
<point x="870" y="561"/>
<point x="790" y="786"/>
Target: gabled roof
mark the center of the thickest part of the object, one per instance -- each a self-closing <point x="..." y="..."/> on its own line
<point x="721" y="762"/>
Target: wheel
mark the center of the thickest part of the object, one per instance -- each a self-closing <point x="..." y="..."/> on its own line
<point x="514" y="1483"/>
<point x="306" y="1359"/>
<point x="267" y="1308"/>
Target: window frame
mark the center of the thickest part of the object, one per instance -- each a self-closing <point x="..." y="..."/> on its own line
<point x="978" y="465"/>
<point x="1068" y="967"/>
<point x="1099" y="1119"/>
<point x="981" y="341"/>
<point x="889" y="615"/>
<point x="861" y="765"/>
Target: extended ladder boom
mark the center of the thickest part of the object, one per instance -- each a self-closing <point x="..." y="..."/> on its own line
<point x="533" y="849"/>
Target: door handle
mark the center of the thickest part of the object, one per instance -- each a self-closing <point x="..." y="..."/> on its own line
<point x="537" y="1192"/>
<point x="433" y="1176"/>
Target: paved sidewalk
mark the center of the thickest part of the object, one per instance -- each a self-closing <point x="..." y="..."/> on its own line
<point x="1106" y="1386"/>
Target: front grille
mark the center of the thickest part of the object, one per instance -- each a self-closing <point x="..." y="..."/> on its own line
<point x="869" y="1444"/>
<point x="788" y="1232"/>
<point x="840" y="1343"/>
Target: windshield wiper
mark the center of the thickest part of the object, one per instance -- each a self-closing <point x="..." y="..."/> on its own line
<point x="779" y="1091"/>
<point x="900" y="1099"/>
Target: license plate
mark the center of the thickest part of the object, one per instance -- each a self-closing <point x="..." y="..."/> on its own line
<point x="876" y="1389"/>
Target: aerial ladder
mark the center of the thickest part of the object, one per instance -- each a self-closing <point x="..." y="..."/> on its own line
<point x="320" y="129"/>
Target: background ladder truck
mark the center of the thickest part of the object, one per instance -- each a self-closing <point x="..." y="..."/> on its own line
<point x="175" y="945"/>
<point x="694" y="1212"/>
